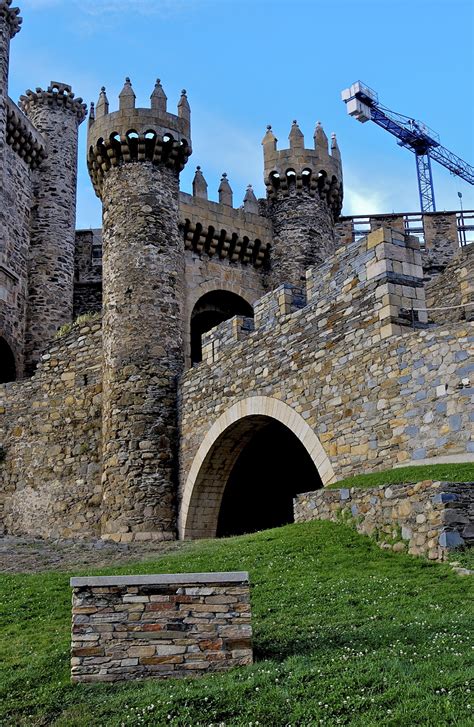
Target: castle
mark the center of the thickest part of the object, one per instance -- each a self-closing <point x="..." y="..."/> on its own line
<point x="236" y="357"/>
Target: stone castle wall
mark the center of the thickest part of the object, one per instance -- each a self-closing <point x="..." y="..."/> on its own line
<point x="16" y="202"/>
<point x="375" y="391"/>
<point x="425" y="518"/>
<point x="450" y="292"/>
<point x="50" y="432"/>
<point x="131" y="627"/>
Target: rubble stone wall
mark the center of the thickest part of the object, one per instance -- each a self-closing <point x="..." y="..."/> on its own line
<point x="16" y="202"/>
<point x="131" y="627"/>
<point x="448" y="295"/>
<point x="375" y="391"/>
<point x="425" y="518"/>
<point x="50" y="434"/>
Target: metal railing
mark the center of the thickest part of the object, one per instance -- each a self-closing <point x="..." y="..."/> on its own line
<point x="413" y="225"/>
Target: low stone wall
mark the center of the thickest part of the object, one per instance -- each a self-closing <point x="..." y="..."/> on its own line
<point x="425" y="518"/>
<point x="129" y="627"/>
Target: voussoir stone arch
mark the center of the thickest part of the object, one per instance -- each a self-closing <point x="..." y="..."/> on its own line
<point x="212" y="463"/>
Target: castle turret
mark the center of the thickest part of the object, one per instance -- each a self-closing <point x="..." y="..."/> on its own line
<point x="56" y="114"/>
<point x="304" y="191"/>
<point x="10" y="23"/>
<point x="135" y="157"/>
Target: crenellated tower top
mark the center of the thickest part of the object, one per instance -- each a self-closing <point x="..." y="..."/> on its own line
<point x="297" y="169"/>
<point x="137" y="134"/>
<point x="12" y="16"/>
<point x="57" y="94"/>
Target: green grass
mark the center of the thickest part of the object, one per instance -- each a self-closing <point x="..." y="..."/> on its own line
<point x="344" y="633"/>
<point x="459" y="472"/>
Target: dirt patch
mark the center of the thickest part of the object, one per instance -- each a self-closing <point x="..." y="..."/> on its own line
<point x="33" y="555"/>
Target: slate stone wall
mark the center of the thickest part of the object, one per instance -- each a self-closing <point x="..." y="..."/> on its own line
<point x="132" y="627"/>
<point x="376" y="391"/>
<point x="50" y="436"/>
<point x="423" y="518"/>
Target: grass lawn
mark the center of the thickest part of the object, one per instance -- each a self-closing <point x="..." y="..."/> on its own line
<point x="344" y="633"/>
<point x="459" y="472"/>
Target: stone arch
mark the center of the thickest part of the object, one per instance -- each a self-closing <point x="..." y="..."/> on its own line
<point x="218" y="453"/>
<point x="195" y="294"/>
<point x="8" y="370"/>
<point x="213" y="308"/>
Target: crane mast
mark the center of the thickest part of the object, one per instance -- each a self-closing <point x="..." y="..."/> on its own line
<point x="363" y="104"/>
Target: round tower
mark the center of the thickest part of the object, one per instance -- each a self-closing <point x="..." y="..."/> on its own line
<point x="56" y="114"/>
<point x="10" y="23"/>
<point x="135" y="157"/>
<point x="304" y="192"/>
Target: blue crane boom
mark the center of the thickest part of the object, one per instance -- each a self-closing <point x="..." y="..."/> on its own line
<point x="363" y="104"/>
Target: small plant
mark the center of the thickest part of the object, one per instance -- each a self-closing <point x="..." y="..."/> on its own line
<point x="80" y="320"/>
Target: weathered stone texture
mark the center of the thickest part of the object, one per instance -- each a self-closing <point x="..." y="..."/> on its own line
<point x="15" y="203"/>
<point x="50" y="431"/>
<point x="441" y="240"/>
<point x="57" y="115"/>
<point x="423" y="518"/>
<point x="451" y="291"/>
<point x="143" y="261"/>
<point x="375" y="398"/>
<point x="87" y="294"/>
<point x="126" y="627"/>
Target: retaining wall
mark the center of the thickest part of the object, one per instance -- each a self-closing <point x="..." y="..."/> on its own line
<point x="425" y="518"/>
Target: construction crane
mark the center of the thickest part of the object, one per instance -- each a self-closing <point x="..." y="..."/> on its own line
<point x="363" y="104"/>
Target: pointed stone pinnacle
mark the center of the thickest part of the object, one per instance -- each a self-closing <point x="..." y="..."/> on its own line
<point x="199" y="184"/>
<point x="225" y="191"/>
<point x="296" y="137"/>
<point x="320" y="138"/>
<point x="102" y="108"/>
<point x="158" y="97"/>
<point x="184" y="109"/>
<point x="127" y="96"/>
<point x="250" y="201"/>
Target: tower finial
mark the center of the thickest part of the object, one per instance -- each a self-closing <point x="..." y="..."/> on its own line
<point x="335" y="151"/>
<point x="296" y="137"/>
<point x="158" y="97"/>
<point x="102" y="108"/>
<point x="250" y="201"/>
<point x="199" y="184"/>
<point x="225" y="191"/>
<point x="320" y="138"/>
<point x="184" y="109"/>
<point x="127" y="96"/>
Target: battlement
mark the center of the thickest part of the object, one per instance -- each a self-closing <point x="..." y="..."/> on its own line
<point x="57" y="94"/>
<point x="22" y="136"/>
<point x="11" y="15"/>
<point x="221" y="231"/>
<point x="372" y="289"/>
<point x="137" y="134"/>
<point x="297" y="169"/>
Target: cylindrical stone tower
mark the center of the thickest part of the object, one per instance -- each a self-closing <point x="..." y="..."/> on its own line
<point x="56" y="113"/>
<point x="10" y="23"/>
<point x="304" y="191"/>
<point x="135" y="157"/>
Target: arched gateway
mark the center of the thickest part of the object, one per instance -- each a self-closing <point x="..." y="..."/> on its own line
<point x="225" y="492"/>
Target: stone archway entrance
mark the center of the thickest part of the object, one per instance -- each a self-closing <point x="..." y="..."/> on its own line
<point x="252" y="462"/>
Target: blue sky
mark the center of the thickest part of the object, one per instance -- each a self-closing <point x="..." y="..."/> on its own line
<point x="248" y="63"/>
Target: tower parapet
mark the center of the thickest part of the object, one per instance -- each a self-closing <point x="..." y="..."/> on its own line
<point x="137" y="134"/>
<point x="297" y="170"/>
<point x="11" y="16"/>
<point x="304" y="193"/>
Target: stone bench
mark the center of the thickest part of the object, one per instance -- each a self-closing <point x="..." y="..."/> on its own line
<point x="131" y="627"/>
